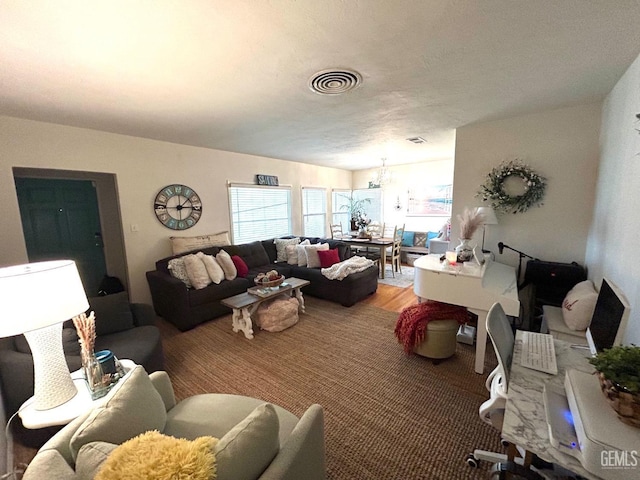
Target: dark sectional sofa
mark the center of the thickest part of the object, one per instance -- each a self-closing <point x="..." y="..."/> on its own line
<point x="187" y="307"/>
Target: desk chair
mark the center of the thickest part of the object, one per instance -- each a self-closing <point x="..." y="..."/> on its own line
<point x="492" y="411"/>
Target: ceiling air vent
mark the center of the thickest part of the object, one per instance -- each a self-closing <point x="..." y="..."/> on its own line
<point x="417" y="140"/>
<point x="334" y="82"/>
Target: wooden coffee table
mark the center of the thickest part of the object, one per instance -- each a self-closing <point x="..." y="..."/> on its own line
<point x="245" y="304"/>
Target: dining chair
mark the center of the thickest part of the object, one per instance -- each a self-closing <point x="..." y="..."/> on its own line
<point x="336" y="230"/>
<point x="396" y="264"/>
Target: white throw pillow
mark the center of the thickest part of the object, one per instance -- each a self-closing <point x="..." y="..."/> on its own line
<point x="281" y="245"/>
<point x="196" y="271"/>
<point x="311" y="251"/>
<point x="214" y="270"/>
<point x="578" y="305"/>
<point x="302" y="257"/>
<point x="292" y="252"/>
<point x="229" y="269"/>
<point x="188" y="244"/>
<point x="178" y="270"/>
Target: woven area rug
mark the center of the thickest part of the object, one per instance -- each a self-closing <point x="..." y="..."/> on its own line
<point x="402" y="280"/>
<point x="387" y="415"/>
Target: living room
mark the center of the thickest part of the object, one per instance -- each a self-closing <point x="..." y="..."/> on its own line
<point x="587" y="150"/>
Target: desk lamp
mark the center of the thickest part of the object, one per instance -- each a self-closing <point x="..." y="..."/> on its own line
<point x="36" y="299"/>
<point x="489" y="219"/>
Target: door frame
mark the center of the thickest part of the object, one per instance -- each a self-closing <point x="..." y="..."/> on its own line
<point x="108" y="209"/>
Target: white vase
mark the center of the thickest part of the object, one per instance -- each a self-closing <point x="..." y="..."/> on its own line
<point x="464" y="251"/>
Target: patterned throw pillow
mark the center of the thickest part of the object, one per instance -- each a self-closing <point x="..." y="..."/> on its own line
<point x="578" y="305"/>
<point x="420" y="239"/>
<point x="179" y="271"/>
<point x="281" y="245"/>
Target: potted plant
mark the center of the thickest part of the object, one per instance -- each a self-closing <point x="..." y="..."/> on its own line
<point x="619" y="373"/>
<point x="355" y="207"/>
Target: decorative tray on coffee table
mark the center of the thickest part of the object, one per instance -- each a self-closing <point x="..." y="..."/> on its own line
<point x="265" y="292"/>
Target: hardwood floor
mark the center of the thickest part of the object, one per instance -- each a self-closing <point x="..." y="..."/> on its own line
<point x="393" y="299"/>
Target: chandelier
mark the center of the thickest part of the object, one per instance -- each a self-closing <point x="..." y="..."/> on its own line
<point x="383" y="175"/>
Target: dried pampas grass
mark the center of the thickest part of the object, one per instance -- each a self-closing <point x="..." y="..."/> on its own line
<point x="470" y="221"/>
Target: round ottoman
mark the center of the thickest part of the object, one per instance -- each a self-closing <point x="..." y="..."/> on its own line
<point x="440" y="340"/>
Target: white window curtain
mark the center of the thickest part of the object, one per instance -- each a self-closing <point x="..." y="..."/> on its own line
<point x="259" y="212"/>
<point x="340" y="208"/>
<point x="314" y="211"/>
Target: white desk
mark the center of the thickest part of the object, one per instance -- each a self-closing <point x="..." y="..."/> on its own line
<point x="469" y="285"/>
<point x="63" y="414"/>
<point x="525" y="421"/>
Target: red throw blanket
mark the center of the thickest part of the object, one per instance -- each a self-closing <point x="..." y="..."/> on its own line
<point x="411" y="327"/>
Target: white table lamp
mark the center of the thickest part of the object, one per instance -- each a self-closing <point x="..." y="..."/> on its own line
<point x="36" y="299"/>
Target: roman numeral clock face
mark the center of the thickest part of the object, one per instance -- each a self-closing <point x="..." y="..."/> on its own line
<point x="178" y="207"/>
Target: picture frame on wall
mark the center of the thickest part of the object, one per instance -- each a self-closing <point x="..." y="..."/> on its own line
<point x="430" y="200"/>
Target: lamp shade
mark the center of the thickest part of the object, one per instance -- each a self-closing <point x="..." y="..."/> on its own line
<point x="489" y="215"/>
<point x="38" y="295"/>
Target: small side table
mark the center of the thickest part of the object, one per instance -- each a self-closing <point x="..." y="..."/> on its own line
<point x="63" y="414"/>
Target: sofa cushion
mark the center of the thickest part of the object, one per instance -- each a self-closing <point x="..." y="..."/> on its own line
<point x="229" y="269"/>
<point x="328" y="257"/>
<point x="155" y="456"/>
<point x="241" y="266"/>
<point x="257" y="434"/>
<point x="196" y="271"/>
<point x="214" y="270"/>
<point x="253" y="254"/>
<point x="281" y="245"/>
<point x="113" y="313"/>
<point x="270" y="247"/>
<point x="132" y="407"/>
<point x="178" y="270"/>
<point x="91" y="457"/>
<point x="578" y="305"/>
<point x="188" y="244"/>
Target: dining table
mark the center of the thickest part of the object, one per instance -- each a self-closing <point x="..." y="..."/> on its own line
<point x="377" y="243"/>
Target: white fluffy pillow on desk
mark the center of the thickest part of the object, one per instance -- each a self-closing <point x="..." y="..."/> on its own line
<point x="578" y="305"/>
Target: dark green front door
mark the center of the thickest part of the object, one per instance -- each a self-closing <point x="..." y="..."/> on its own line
<point x="60" y="219"/>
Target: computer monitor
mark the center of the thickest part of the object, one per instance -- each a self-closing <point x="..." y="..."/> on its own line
<point x="609" y="320"/>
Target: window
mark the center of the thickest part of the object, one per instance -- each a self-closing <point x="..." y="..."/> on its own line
<point x="340" y="208"/>
<point x="314" y="211"/>
<point x="373" y="208"/>
<point x="259" y="212"/>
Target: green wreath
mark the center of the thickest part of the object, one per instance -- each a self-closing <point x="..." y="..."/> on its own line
<point x="492" y="190"/>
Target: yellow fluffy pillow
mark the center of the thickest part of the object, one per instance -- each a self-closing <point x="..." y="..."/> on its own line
<point x="154" y="456"/>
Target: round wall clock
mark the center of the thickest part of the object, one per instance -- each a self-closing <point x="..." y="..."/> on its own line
<point x="178" y="207"/>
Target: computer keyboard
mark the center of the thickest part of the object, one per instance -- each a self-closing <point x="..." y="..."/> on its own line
<point x="538" y="352"/>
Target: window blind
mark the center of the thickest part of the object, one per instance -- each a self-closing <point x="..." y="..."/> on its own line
<point x="314" y="211"/>
<point x="259" y="212"/>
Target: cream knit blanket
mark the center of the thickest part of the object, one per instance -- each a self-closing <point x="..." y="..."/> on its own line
<point x="341" y="270"/>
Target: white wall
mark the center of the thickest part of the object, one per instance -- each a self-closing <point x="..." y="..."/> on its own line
<point x="612" y="247"/>
<point x="142" y="167"/>
<point x="561" y="145"/>
<point x="403" y="178"/>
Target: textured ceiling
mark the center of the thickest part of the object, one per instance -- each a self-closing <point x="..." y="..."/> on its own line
<point x="233" y="75"/>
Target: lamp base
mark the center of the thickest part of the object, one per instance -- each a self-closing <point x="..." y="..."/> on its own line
<point x="53" y="385"/>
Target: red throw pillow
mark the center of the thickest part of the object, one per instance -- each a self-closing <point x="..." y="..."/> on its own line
<point x="241" y="267"/>
<point x="328" y="257"/>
